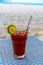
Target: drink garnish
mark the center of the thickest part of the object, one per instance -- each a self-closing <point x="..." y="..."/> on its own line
<point x="11" y="29"/>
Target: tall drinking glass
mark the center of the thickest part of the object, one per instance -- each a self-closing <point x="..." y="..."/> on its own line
<point x="20" y="37"/>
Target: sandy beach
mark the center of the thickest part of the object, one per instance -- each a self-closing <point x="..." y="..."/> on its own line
<point x="37" y="33"/>
<point x="34" y="32"/>
<point x="8" y="14"/>
<point x="35" y="28"/>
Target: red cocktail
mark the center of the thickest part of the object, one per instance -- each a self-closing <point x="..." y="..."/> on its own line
<point x="19" y="43"/>
<point x="18" y="33"/>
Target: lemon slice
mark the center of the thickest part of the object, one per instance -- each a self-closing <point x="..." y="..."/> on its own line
<point x="11" y="29"/>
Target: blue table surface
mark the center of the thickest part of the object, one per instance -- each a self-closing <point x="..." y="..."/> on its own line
<point x="34" y="52"/>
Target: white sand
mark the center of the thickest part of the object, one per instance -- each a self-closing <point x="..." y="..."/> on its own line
<point x="36" y="27"/>
<point x="37" y="33"/>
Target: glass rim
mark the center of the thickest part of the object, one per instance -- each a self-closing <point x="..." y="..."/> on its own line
<point x="22" y="30"/>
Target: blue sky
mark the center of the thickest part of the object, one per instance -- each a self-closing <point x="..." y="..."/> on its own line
<point x="22" y="1"/>
<point x="32" y="1"/>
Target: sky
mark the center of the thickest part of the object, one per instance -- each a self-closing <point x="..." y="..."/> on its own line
<point x="32" y="1"/>
<point x="22" y="1"/>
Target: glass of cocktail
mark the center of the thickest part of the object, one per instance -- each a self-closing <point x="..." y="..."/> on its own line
<point x="19" y="34"/>
<point x="19" y="43"/>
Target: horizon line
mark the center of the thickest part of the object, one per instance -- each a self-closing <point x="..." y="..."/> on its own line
<point x="23" y="3"/>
